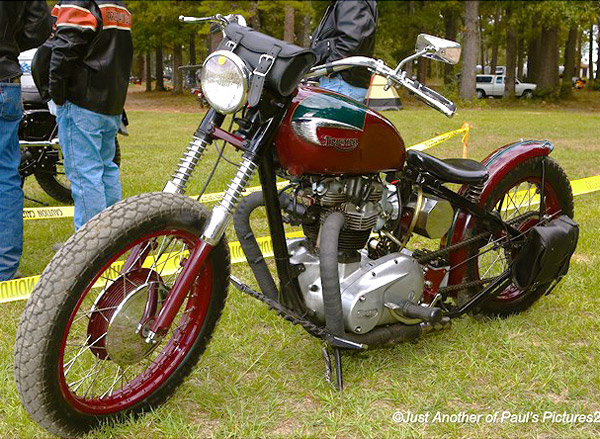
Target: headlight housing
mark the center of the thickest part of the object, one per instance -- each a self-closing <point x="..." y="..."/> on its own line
<point x="225" y="81"/>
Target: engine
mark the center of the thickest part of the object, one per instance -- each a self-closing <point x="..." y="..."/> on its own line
<point x="374" y="286"/>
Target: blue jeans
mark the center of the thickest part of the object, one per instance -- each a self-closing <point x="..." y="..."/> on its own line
<point x="340" y="86"/>
<point x="11" y="194"/>
<point x="87" y="140"/>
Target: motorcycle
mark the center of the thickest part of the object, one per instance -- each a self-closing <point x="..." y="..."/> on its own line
<point x="128" y="305"/>
<point x="41" y="155"/>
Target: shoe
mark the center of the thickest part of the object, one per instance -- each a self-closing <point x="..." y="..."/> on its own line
<point x="56" y="247"/>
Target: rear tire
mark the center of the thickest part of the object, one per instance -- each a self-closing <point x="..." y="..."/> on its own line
<point x="558" y="196"/>
<point x="54" y="319"/>
<point x="480" y="93"/>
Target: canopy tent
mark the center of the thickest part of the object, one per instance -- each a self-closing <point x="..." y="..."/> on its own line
<point x="380" y="99"/>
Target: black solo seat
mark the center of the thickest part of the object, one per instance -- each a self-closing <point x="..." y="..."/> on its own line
<point x="462" y="171"/>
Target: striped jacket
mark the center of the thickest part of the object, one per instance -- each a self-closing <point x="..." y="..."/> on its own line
<point x="91" y="54"/>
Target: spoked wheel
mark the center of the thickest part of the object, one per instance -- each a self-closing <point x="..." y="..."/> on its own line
<point x="83" y="359"/>
<point x="516" y="199"/>
<point x="52" y="178"/>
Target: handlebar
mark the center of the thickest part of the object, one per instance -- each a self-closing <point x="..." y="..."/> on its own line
<point x="431" y="97"/>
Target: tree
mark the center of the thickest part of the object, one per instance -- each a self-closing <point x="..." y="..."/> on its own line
<point x="511" y="55"/>
<point x="288" y="26"/>
<point x="470" y="48"/>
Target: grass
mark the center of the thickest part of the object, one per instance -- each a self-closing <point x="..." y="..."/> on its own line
<point x="262" y="377"/>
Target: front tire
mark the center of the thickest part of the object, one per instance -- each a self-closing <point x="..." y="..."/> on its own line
<point x="79" y="360"/>
<point x="510" y="199"/>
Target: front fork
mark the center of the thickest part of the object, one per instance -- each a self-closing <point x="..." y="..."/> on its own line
<point x="219" y="220"/>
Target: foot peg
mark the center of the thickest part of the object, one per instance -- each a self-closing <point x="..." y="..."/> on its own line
<point x="414" y="311"/>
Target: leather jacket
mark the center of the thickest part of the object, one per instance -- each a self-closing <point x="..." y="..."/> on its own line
<point x="23" y="26"/>
<point x="347" y="29"/>
<point x="91" y="55"/>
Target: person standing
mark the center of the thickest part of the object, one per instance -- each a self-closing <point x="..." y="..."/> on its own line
<point x="88" y="78"/>
<point x="347" y="29"/>
<point x="23" y="26"/>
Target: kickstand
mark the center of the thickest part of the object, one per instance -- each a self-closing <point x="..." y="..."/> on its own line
<point x="35" y="201"/>
<point x="339" y="378"/>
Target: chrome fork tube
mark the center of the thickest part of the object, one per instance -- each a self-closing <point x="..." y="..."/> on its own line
<point x="187" y="164"/>
<point x="222" y="213"/>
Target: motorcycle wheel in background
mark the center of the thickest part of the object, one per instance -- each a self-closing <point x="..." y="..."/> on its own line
<point x="517" y="195"/>
<point x="51" y="174"/>
<point x="80" y="355"/>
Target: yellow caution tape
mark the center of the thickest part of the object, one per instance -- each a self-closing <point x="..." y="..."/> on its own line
<point x="464" y="129"/>
<point x="20" y="289"/>
<point x="38" y="213"/>
<point x="169" y="263"/>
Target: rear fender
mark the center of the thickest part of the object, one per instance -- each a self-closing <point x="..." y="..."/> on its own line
<point x="498" y="163"/>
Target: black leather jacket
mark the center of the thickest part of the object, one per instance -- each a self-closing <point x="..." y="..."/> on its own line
<point x="347" y="29"/>
<point x="91" y="55"/>
<point x="23" y="26"/>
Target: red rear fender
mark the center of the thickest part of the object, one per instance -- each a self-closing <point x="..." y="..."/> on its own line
<point x="499" y="163"/>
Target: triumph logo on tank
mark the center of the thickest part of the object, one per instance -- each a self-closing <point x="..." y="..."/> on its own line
<point x="345" y="144"/>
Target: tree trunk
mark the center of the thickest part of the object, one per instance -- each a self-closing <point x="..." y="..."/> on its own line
<point x="591" y="56"/>
<point x="533" y="56"/>
<point x="511" y="57"/>
<point x="578" y="53"/>
<point x="288" y="25"/>
<point x="482" y="54"/>
<point x="569" y="71"/>
<point x="254" y="16"/>
<point x="470" y="49"/>
<point x="450" y="24"/>
<point x="141" y="71"/>
<point x="548" y="72"/>
<point x="422" y="70"/>
<point x="306" y="28"/>
<point x="520" y="57"/>
<point x="160" y="82"/>
<point x="598" y="54"/>
<point x="177" y="76"/>
<point x="495" y="43"/>
<point x="148" y="71"/>
<point x="193" y="48"/>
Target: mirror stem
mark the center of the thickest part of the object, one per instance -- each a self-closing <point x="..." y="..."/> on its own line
<point x="411" y="58"/>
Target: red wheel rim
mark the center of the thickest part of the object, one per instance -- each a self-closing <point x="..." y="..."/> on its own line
<point x="84" y="391"/>
<point x="551" y="205"/>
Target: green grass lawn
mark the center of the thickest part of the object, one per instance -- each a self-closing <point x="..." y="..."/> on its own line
<point x="262" y="377"/>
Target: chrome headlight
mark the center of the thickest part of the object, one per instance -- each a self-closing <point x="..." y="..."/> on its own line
<point x="225" y="81"/>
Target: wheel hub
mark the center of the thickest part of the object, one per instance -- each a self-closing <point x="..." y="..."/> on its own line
<point x="119" y="320"/>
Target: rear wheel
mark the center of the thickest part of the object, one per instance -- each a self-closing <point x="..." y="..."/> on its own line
<point x="80" y="356"/>
<point x="516" y="198"/>
<point x="480" y="93"/>
<point x="52" y="178"/>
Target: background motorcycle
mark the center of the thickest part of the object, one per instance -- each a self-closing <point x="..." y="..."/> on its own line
<point x="127" y="306"/>
<point x="41" y="155"/>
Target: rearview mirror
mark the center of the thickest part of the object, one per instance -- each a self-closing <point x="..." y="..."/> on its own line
<point x="441" y="50"/>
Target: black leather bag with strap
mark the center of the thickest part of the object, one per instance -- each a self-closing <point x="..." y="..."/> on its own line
<point x="275" y="64"/>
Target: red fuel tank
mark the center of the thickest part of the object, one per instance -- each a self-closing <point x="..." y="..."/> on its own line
<point x="328" y="133"/>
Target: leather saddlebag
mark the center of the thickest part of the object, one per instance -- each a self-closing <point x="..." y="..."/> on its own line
<point x="546" y="253"/>
<point x="275" y="64"/>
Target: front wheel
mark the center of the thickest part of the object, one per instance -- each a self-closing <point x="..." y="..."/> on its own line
<point x="527" y="94"/>
<point x="80" y="356"/>
<point x="516" y="199"/>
